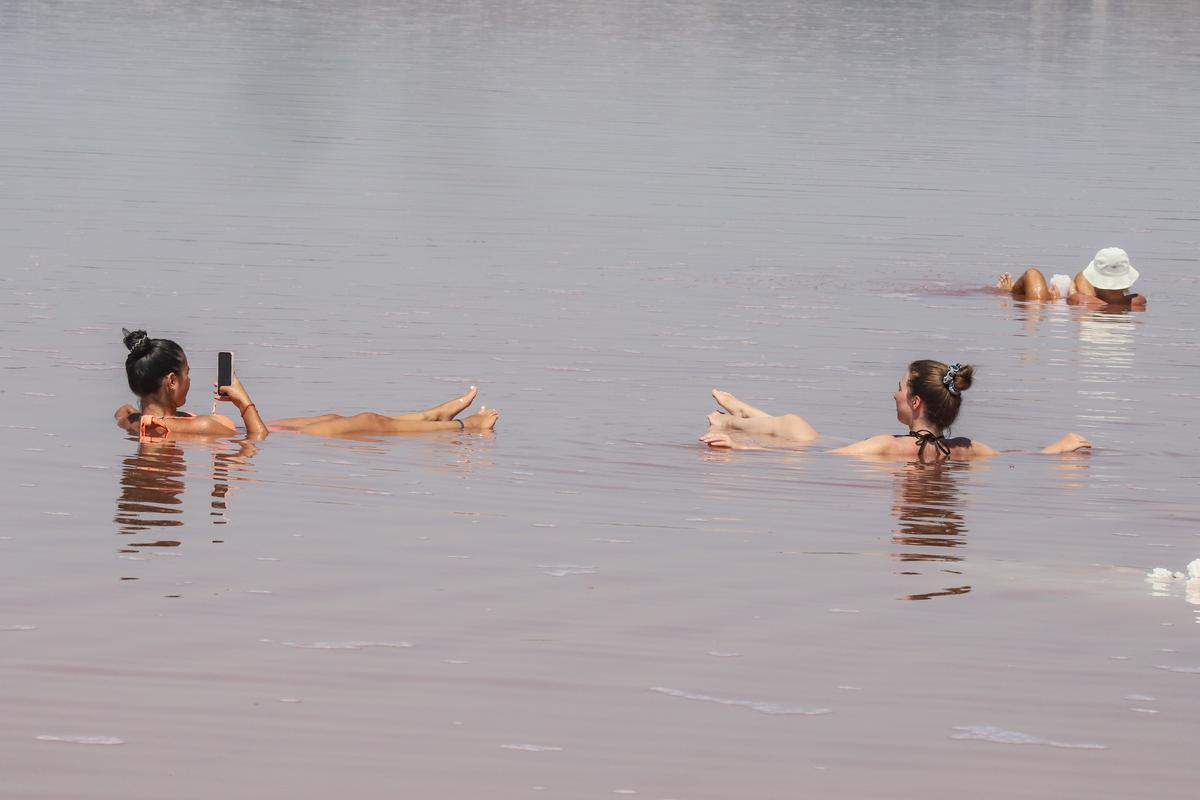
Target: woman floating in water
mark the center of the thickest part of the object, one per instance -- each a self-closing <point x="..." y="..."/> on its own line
<point x="1101" y="284"/>
<point x="927" y="402"/>
<point x="159" y="375"/>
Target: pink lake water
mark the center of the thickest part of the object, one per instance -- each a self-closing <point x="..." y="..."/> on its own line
<point x="596" y="212"/>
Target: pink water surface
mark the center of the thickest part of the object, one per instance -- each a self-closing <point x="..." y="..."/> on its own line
<point x="596" y="212"/>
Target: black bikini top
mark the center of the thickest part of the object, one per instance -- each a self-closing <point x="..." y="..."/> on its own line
<point x="925" y="437"/>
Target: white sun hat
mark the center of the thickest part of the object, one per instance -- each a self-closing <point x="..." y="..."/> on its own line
<point x="1110" y="269"/>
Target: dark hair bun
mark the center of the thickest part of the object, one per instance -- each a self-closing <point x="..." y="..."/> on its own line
<point x="138" y="342"/>
<point x="962" y="380"/>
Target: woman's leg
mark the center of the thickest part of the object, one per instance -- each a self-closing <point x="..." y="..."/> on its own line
<point x="300" y="422"/>
<point x="735" y="406"/>
<point x="445" y="411"/>
<point x="1030" y="286"/>
<point x="369" y="423"/>
<point x="748" y="419"/>
<point x="792" y="427"/>
<point x="439" y="413"/>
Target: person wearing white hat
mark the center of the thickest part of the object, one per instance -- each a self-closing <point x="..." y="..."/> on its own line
<point x="1101" y="283"/>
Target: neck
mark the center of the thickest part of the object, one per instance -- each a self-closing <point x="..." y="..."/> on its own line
<point x="158" y="407"/>
<point x="922" y="424"/>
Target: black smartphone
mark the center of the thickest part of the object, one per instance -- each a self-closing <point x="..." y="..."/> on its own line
<point x="224" y="369"/>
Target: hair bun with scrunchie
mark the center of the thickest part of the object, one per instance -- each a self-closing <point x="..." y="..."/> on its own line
<point x="138" y="342"/>
<point x="948" y="379"/>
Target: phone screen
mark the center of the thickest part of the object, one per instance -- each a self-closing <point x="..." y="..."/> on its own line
<point x="224" y="368"/>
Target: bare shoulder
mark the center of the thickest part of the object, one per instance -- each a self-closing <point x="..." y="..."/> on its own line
<point x="192" y="426"/>
<point x="875" y="445"/>
<point x="204" y="425"/>
<point x="970" y="448"/>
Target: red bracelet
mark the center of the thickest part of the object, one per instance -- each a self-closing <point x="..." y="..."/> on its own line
<point x="247" y="408"/>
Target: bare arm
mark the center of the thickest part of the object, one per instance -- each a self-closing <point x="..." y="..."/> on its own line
<point x="236" y="393"/>
<point x="1067" y="444"/>
<point x="127" y="418"/>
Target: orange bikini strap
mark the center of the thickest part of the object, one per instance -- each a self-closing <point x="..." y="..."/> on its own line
<point x="145" y="424"/>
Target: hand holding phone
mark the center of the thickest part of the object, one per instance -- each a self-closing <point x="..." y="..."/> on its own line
<point x="224" y="369"/>
<point x="224" y="376"/>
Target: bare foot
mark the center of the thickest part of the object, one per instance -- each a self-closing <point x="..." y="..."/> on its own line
<point x="719" y="422"/>
<point x="451" y="408"/>
<point x="1005" y="282"/>
<point x="718" y="439"/>
<point x="734" y="406"/>
<point x="485" y="420"/>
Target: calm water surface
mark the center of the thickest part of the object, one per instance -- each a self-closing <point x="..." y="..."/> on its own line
<point x="596" y="212"/>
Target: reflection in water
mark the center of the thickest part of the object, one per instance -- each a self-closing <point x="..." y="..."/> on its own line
<point x="152" y="484"/>
<point x="1106" y="342"/>
<point x="928" y="509"/>
<point x="1073" y="470"/>
<point x="1039" y="321"/>
<point x="227" y="468"/>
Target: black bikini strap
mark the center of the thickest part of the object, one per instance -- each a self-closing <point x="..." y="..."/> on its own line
<point x="925" y="437"/>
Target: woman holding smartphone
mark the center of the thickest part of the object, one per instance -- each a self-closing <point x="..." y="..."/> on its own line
<point x="158" y="373"/>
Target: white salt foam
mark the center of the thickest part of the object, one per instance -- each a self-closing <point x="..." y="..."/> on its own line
<point x="532" y="748"/>
<point x="562" y="570"/>
<point x="990" y="733"/>
<point x="354" y="645"/>
<point x="756" y="705"/>
<point x="80" y="739"/>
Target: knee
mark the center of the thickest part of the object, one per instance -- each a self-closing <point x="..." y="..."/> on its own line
<point x="1033" y="274"/>
<point x="796" y="427"/>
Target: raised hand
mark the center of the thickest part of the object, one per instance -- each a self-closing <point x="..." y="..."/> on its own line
<point x="234" y="393"/>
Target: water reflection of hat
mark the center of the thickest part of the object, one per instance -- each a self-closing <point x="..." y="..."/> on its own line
<point x="1110" y="269"/>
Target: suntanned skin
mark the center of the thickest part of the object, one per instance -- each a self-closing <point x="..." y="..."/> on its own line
<point x="1032" y="285"/>
<point x="910" y="412"/>
<point x="172" y="394"/>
